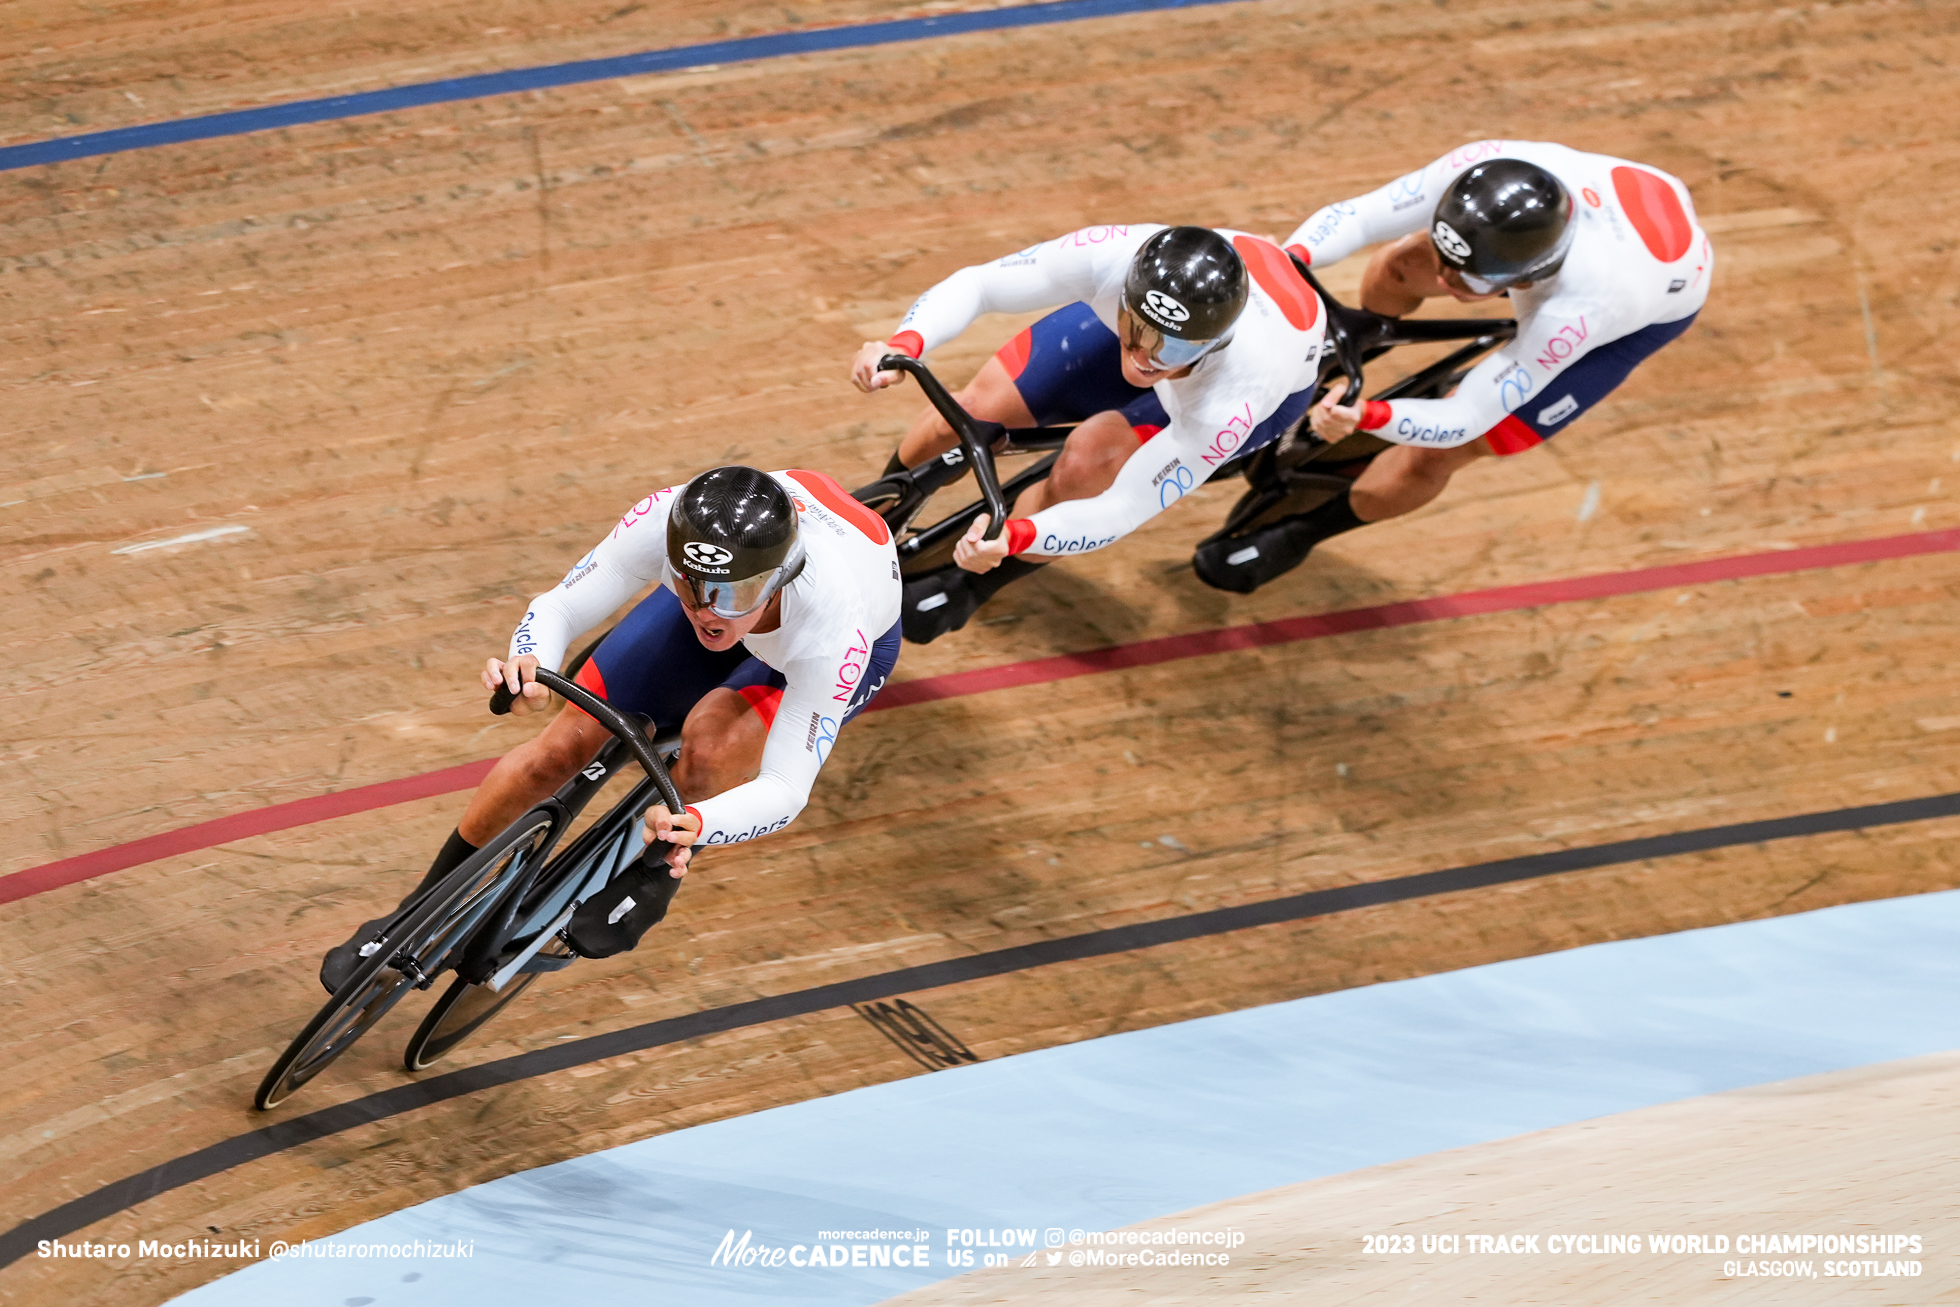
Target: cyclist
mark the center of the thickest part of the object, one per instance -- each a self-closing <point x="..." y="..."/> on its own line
<point x="1603" y="262"/>
<point x="773" y="622"/>
<point x="1179" y="348"/>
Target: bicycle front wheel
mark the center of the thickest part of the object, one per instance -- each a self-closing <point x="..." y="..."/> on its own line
<point x="412" y="952"/>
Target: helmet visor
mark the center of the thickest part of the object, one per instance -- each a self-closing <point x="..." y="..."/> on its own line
<point x="1165" y="352"/>
<point x="730" y="599"/>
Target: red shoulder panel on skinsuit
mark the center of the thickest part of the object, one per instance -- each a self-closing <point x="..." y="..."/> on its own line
<point x="834" y="497"/>
<point x="1655" y="211"/>
<point x="1277" y="276"/>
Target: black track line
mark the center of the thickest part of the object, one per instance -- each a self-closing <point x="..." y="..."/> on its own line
<point x="121" y="1195"/>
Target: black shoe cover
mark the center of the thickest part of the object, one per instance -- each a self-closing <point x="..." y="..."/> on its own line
<point x="1242" y="564"/>
<point x="938" y="602"/>
<point x="342" y="959"/>
<point x="631" y="904"/>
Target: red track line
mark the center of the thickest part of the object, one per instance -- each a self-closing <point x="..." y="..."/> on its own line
<point x="1038" y="671"/>
<point x="241" y="825"/>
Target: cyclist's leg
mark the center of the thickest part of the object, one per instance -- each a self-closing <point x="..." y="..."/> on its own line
<point x="990" y="396"/>
<point x="1095" y="452"/>
<point x="1064" y="368"/>
<point x="1402" y="478"/>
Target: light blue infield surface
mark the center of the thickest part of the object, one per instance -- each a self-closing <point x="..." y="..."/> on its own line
<point x="1112" y="1131"/>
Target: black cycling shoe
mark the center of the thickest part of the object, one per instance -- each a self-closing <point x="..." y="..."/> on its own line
<point x="612" y="921"/>
<point x="1244" y="563"/>
<point x="938" y="602"/>
<point x="342" y="959"/>
<point x="945" y="600"/>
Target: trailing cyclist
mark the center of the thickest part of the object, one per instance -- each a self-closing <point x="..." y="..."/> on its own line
<point x="1603" y="262"/>
<point x="773" y="622"/>
<point x="1180" y="349"/>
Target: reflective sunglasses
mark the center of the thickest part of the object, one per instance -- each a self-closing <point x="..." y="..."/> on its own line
<point x="1165" y="352"/>
<point x="727" y="599"/>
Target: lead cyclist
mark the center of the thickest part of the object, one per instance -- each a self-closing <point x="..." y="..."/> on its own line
<point x="772" y="623"/>
<point x="1603" y="261"/>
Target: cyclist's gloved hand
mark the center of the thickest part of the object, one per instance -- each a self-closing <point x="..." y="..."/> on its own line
<point x="976" y="554"/>
<point x="679" y="831"/>
<point x="518" y="672"/>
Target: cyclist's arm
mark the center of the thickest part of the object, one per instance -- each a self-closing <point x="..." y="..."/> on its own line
<point x="1061" y="271"/>
<point x="1175" y="460"/>
<point x="620" y="566"/>
<point x="1403" y="206"/>
<point x="1523" y="373"/>
<point x="799" y="740"/>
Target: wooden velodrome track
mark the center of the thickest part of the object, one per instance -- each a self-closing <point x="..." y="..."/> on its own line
<point x="424" y="358"/>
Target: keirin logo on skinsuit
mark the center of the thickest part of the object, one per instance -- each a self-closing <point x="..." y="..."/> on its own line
<point x="1165" y="309"/>
<point x="1453" y="246"/>
<point x="702" y="554"/>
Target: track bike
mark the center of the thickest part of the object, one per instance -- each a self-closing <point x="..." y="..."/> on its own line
<point x="1291" y="475"/>
<point x="497" y="921"/>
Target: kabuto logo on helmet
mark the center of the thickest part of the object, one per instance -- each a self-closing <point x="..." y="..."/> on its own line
<point x="707" y="557"/>
<point x="1453" y="247"/>
<point x="1165" y="311"/>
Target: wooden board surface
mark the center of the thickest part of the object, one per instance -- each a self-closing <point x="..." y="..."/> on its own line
<point x="423" y="359"/>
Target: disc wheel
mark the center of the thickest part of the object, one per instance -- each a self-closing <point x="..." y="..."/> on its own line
<point x="412" y="952"/>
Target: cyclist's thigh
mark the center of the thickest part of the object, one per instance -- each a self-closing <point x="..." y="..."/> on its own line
<point x="1581" y="386"/>
<point x="1068" y="366"/>
<point x="653" y="663"/>
<point x="992" y="397"/>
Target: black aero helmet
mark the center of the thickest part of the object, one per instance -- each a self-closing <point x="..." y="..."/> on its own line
<point x="1185" y="288"/>
<point x="1502" y="222"/>
<point x="731" y="541"/>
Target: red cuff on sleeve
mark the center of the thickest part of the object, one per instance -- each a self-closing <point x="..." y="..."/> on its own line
<point x="1302" y="253"/>
<point x="1375" y="415"/>
<point x="909" y="343"/>
<point x="695" y="813"/>
<point x="1020" y="535"/>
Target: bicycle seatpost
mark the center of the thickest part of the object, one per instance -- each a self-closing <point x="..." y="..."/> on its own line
<point x="977" y="436"/>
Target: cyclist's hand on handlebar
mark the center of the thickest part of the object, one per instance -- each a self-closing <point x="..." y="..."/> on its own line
<point x="1332" y="420"/>
<point x="510" y="675"/>
<point x="977" y="555"/>
<point x="678" y="831"/>
<point x="864" y="368"/>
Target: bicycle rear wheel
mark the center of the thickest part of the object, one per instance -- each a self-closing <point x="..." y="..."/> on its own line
<point x="412" y="952"/>
<point x="465" y="1009"/>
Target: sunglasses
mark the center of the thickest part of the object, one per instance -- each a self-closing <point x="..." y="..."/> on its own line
<point x="1165" y="352"/>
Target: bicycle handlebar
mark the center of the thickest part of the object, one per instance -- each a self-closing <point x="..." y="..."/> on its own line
<point x="977" y="437"/>
<point x="610" y="718"/>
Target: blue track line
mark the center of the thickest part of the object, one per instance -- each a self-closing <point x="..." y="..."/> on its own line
<point x="449" y="91"/>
